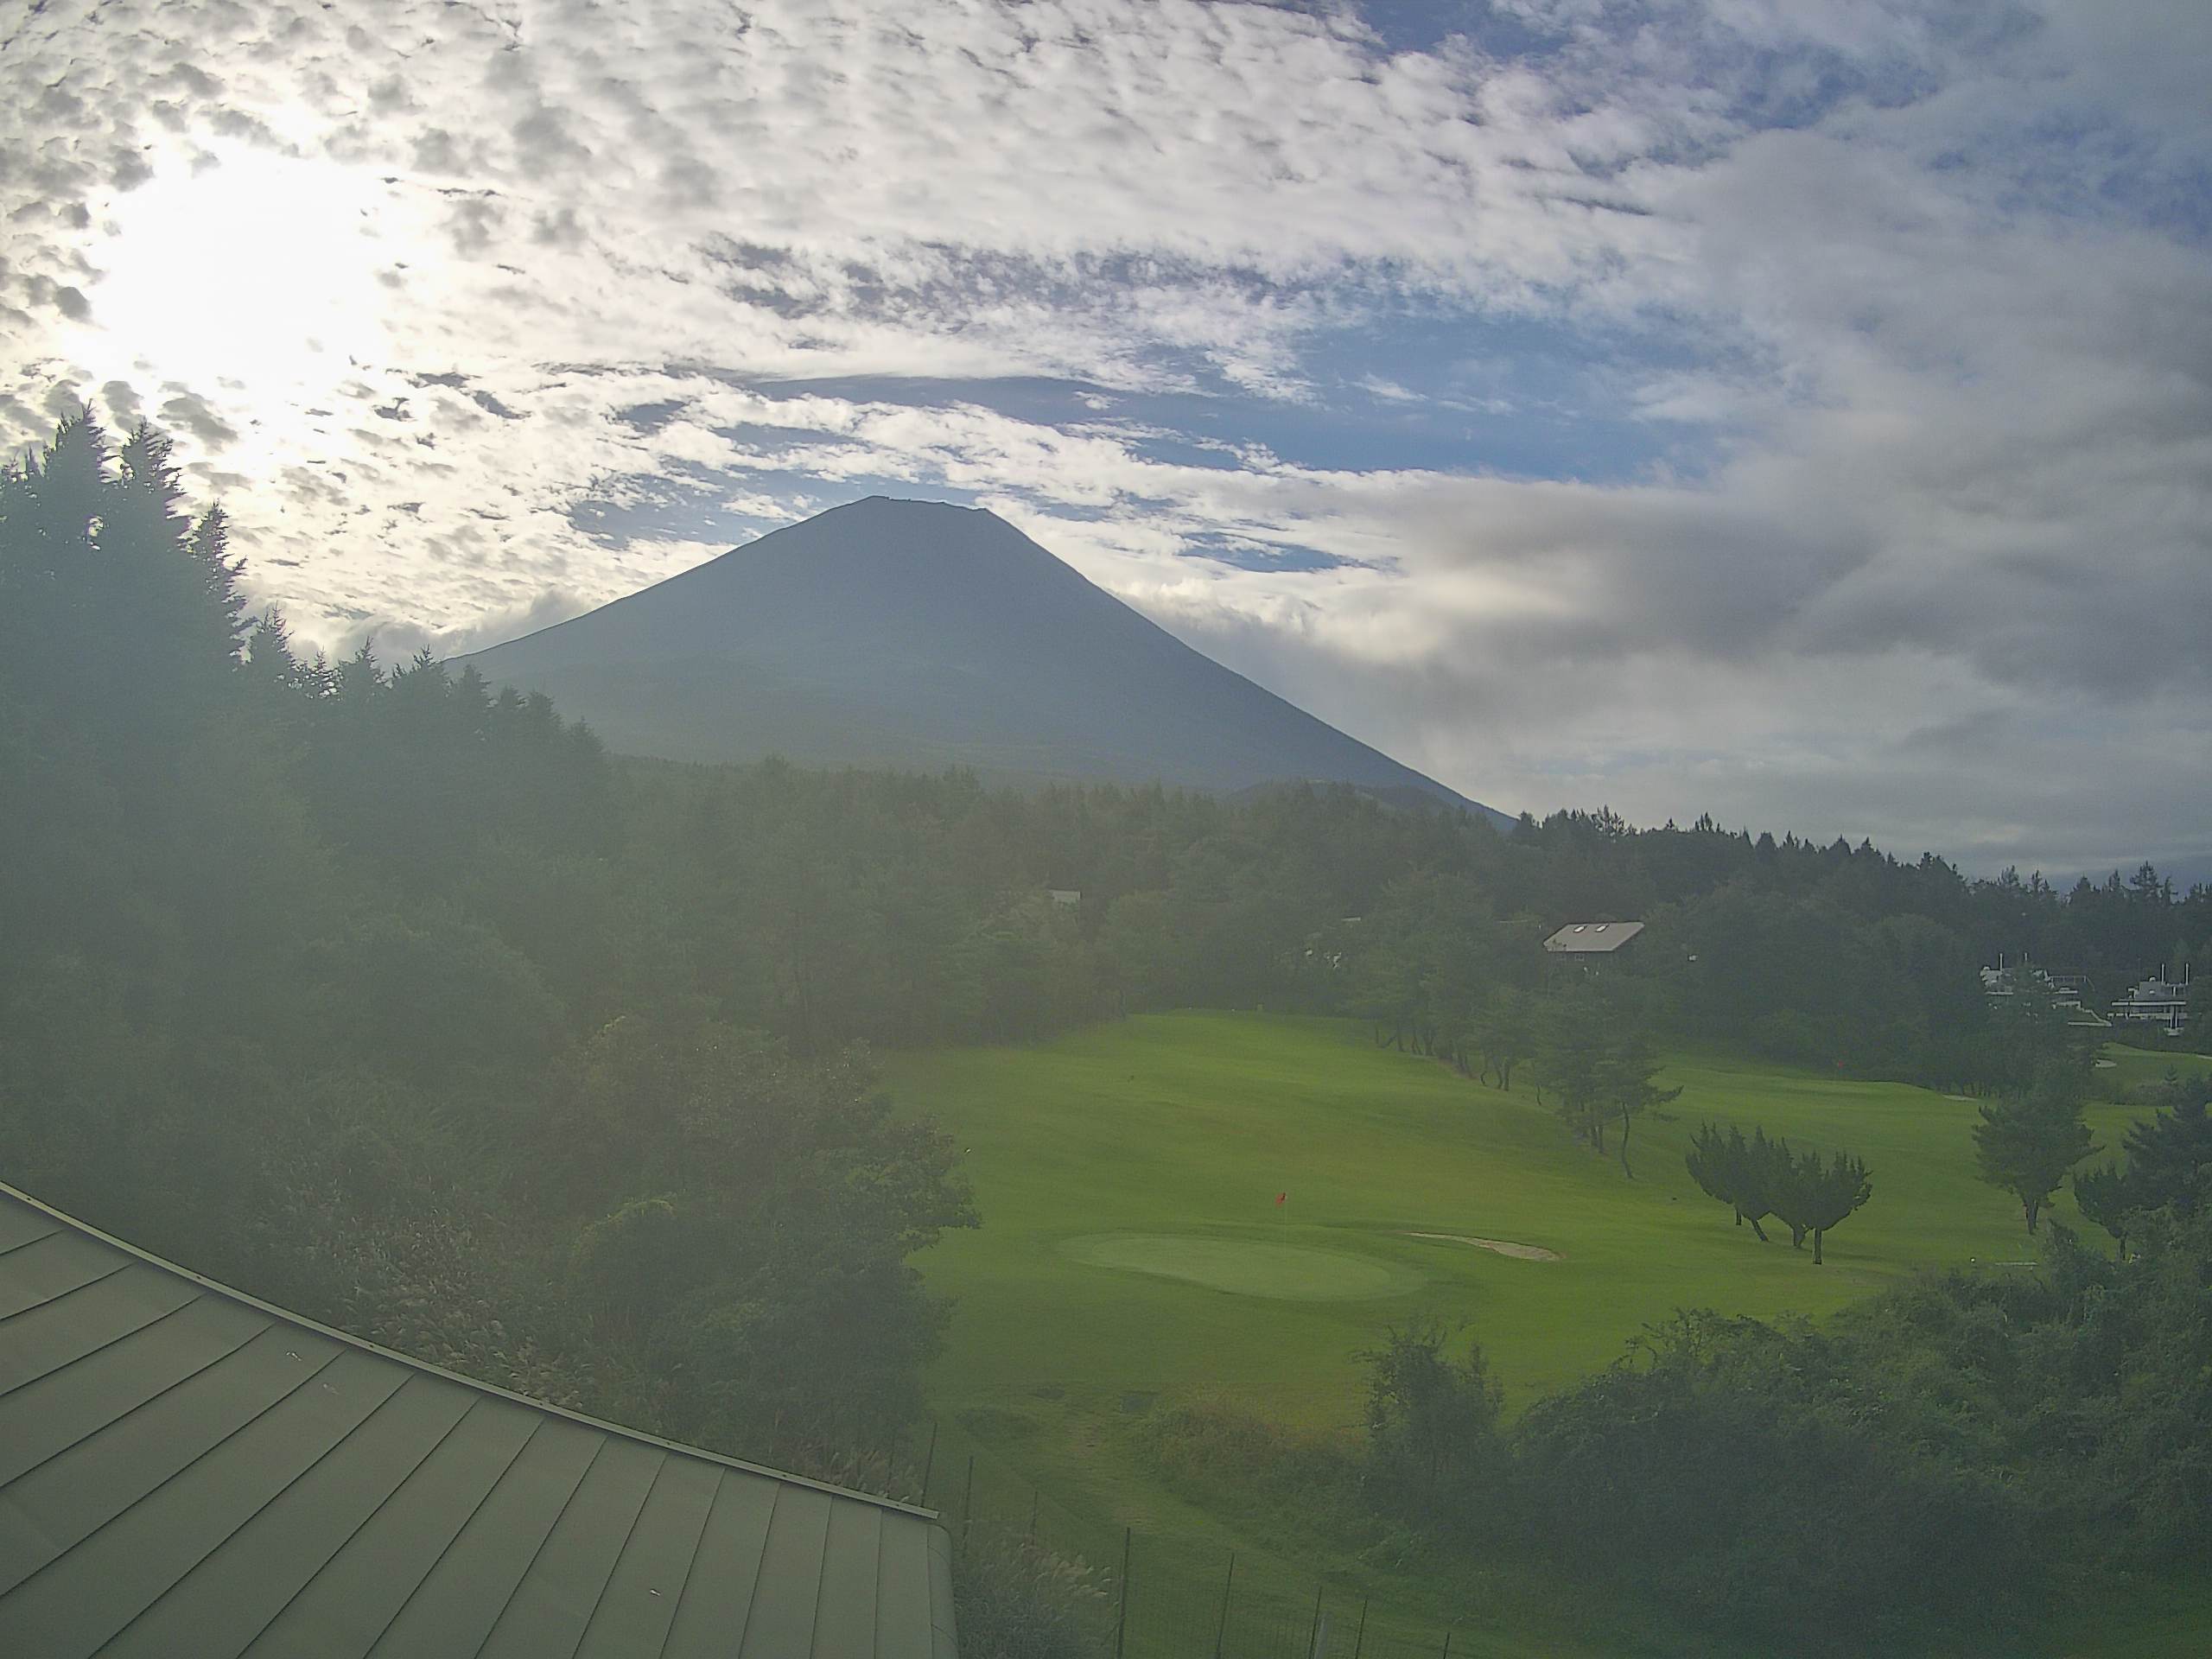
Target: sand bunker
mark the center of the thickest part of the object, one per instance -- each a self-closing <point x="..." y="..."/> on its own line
<point x="1501" y="1246"/>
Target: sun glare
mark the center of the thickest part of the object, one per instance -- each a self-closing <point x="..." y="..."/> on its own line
<point x="259" y="271"/>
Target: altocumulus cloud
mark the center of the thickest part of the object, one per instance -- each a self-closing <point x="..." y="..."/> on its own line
<point x="1800" y="411"/>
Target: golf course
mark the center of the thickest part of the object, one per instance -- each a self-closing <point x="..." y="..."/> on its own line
<point x="1223" y="1209"/>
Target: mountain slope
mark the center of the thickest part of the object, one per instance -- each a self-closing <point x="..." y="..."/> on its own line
<point x="919" y="635"/>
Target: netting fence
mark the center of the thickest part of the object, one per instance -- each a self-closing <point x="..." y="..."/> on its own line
<point x="1157" y="1598"/>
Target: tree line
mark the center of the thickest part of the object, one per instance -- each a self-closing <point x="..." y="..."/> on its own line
<point x="358" y="988"/>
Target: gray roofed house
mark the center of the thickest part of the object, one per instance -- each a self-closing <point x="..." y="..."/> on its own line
<point x="1591" y="938"/>
<point x="187" y="1472"/>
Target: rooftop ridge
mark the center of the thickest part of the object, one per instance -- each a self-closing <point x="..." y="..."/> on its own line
<point x="286" y="1316"/>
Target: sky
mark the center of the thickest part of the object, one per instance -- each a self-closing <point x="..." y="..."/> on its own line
<point x="1796" y="410"/>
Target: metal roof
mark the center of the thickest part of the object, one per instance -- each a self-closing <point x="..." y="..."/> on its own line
<point x="188" y="1472"/>
<point x="1593" y="937"/>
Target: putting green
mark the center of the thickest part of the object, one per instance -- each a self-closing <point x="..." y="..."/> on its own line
<point x="1290" y="1273"/>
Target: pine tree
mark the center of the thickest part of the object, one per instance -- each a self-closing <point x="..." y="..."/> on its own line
<point x="2027" y="1144"/>
<point x="1626" y="1066"/>
<point x="2169" y="1155"/>
<point x="1747" y="1175"/>
<point x="2110" y="1196"/>
<point x="1506" y="1034"/>
<point x="1821" y="1194"/>
<point x="1571" y="1063"/>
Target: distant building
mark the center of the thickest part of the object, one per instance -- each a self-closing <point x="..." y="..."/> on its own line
<point x="1587" y="947"/>
<point x="1591" y="938"/>
<point x="1068" y="897"/>
<point x="2158" y="1002"/>
<point x="2005" y="980"/>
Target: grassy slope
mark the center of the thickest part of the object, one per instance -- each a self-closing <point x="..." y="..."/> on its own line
<point x="1192" y="1124"/>
<point x="2136" y="1067"/>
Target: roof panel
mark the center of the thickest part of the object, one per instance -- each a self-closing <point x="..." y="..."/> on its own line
<point x="851" y="1560"/>
<point x="781" y="1625"/>
<point x="902" y="1581"/>
<point x="1592" y="938"/>
<point x="83" y="1597"/>
<point x="185" y="1469"/>
<point x="718" y="1596"/>
<point x="634" y="1615"/>
<point x="19" y="1226"/>
<point x="468" y="1588"/>
<point x="72" y="1402"/>
<point x="69" y="1327"/>
<point x="232" y="1594"/>
<point x="552" y="1606"/>
<point x="51" y="1266"/>
<point x="76" y="1493"/>
<point x="345" y="1607"/>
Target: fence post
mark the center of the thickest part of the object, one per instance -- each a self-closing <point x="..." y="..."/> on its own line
<point x="1314" y="1630"/>
<point x="1359" y="1642"/>
<point x="1221" y="1631"/>
<point x="968" y="1500"/>
<point x="928" y="1462"/>
<point x="1034" y="1493"/>
<point x="1122" y="1619"/>
<point x="1447" y="1644"/>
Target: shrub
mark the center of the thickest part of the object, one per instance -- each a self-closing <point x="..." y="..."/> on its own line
<point x="1015" y="1599"/>
<point x="1432" y="1424"/>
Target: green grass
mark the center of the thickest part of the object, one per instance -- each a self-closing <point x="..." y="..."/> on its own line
<point x="1133" y="1255"/>
<point x="1243" y="1267"/>
<point x="2136" y="1067"/>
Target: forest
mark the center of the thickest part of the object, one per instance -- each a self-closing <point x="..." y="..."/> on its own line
<point x="395" y="999"/>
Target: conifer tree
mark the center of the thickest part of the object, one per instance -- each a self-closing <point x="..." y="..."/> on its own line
<point x="2110" y="1196"/>
<point x="2169" y="1155"/>
<point x="1744" y="1174"/>
<point x="1571" y="1063"/>
<point x="1816" y="1194"/>
<point x="1627" y="1065"/>
<point x="2027" y="1144"/>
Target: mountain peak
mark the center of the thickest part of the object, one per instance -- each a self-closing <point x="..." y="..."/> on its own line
<point x="906" y="633"/>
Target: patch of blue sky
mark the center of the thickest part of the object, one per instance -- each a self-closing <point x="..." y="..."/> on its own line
<point x="1766" y="83"/>
<point x="1246" y="554"/>
<point x="1048" y="402"/>
<point x="2082" y="164"/>
<point x="1519" y="399"/>
<point x="1424" y="25"/>
<point x="685" y="502"/>
<point x="2177" y="202"/>
<point x="690" y="502"/>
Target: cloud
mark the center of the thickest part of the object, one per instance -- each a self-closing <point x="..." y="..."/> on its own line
<point x="1801" y="410"/>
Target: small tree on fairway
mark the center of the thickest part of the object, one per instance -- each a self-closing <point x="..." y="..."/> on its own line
<point x="1792" y="1194"/>
<point x="1822" y="1195"/>
<point x="2110" y="1196"/>
<point x="1626" y="1067"/>
<point x="1570" y="1062"/>
<point x="1506" y="1032"/>
<point x="1745" y="1175"/>
<point x="1709" y="1165"/>
<point x="2027" y="1144"/>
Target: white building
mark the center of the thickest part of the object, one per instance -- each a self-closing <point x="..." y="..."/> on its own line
<point x="2158" y="1002"/>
